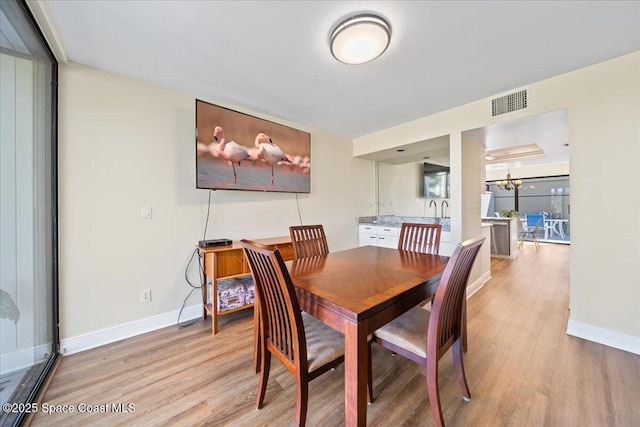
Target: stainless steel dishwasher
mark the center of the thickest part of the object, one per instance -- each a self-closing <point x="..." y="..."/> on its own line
<point x="500" y="236"/>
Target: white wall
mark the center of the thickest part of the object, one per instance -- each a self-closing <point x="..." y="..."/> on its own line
<point x="604" y="127"/>
<point x="401" y="191"/>
<point x="473" y="185"/>
<point x="124" y="144"/>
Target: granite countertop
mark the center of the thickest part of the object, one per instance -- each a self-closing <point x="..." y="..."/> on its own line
<point x="396" y="221"/>
<point x="495" y="218"/>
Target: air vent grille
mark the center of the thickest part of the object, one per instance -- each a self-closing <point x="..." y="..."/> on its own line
<point x="509" y="103"/>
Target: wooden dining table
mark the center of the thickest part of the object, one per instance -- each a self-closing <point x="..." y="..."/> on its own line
<point x="355" y="292"/>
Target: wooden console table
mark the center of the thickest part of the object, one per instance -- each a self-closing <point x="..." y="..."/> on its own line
<point x="224" y="262"/>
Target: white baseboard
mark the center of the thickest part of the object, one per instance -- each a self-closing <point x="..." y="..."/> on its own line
<point x="22" y="359"/>
<point x="127" y="330"/>
<point x="604" y="336"/>
<point x="478" y="284"/>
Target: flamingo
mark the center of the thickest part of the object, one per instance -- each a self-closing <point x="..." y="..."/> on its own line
<point x="269" y="152"/>
<point x="231" y="151"/>
<point x="213" y="147"/>
<point x="201" y="148"/>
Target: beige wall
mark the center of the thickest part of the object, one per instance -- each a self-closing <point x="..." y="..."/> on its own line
<point x="401" y="191"/>
<point x="604" y="128"/>
<point x="473" y="185"/>
<point x="124" y="144"/>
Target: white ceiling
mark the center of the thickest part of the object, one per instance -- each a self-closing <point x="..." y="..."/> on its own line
<point x="273" y="57"/>
<point x="549" y="131"/>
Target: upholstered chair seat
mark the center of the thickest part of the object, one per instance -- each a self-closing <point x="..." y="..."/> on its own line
<point x="323" y="343"/>
<point x="408" y="331"/>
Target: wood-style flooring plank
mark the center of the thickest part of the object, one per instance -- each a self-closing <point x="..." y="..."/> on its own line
<point x="522" y="368"/>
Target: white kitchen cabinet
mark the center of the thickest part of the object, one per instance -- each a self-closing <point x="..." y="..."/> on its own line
<point x="373" y="235"/>
<point x="388" y="237"/>
<point x="447" y="246"/>
<point x="367" y="235"/>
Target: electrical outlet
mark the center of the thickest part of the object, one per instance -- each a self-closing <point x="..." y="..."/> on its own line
<point x="145" y="296"/>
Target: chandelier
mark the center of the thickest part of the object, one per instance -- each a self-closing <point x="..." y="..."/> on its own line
<point x="509" y="184"/>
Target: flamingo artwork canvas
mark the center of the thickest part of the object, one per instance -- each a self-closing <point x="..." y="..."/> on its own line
<point x="237" y="151"/>
<point x="230" y="150"/>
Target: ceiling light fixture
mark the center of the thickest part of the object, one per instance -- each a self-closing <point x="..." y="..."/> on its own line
<point x="360" y="39"/>
<point x="509" y="184"/>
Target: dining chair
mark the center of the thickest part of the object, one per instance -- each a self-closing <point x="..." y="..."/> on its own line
<point x="424" y="337"/>
<point x="423" y="238"/>
<point x="303" y="344"/>
<point x="534" y="221"/>
<point x="308" y="240"/>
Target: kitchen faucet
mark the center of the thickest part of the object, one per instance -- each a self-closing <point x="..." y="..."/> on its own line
<point x="435" y="208"/>
<point x="444" y="202"/>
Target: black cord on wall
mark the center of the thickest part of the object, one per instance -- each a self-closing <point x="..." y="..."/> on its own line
<point x="298" y="204"/>
<point x="195" y="253"/>
<point x="206" y="223"/>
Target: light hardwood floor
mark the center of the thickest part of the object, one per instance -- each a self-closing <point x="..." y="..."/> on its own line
<point x="522" y="369"/>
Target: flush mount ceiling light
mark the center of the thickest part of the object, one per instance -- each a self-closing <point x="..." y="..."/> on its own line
<point x="360" y="39"/>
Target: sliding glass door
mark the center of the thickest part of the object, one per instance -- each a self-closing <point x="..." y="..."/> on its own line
<point x="28" y="214"/>
<point x="549" y="196"/>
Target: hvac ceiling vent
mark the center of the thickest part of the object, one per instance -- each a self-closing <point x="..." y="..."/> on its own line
<point x="510" y="102"/>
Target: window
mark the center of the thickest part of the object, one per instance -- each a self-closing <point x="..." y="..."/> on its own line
<point x="28" y="234"/>
<point x="549" y="195"/>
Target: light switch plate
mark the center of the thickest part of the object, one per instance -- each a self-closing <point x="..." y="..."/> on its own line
<point x="146" y="212"/>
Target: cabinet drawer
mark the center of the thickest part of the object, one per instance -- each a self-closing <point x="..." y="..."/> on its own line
<point x="230" y="263"/>
<point x="388" y="242"/>
<point x="286" y="250"/>
<point x="369" y="229"/>
<point x="365" y="239"/>
<point x="388" y="231"/>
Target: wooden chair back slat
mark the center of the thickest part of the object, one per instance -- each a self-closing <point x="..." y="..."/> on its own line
<point x="308" y="241"/>
<point x="423" y="238"/>
<point x="281" y="328"/>
<point x="278" y="304"/>
<point x="444" y="326"/>
<point x="446" y="315"/>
